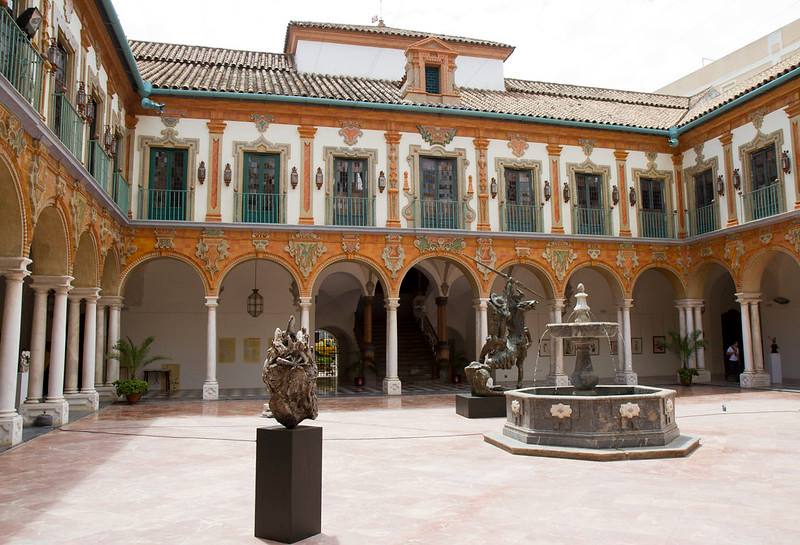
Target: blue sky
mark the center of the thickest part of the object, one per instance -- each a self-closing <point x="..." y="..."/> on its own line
<point x="627" y="44"/>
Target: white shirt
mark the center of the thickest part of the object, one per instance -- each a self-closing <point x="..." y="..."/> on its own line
<point x="732" y="354"/>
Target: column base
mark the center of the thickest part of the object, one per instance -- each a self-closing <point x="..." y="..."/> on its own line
<point x="10" y="430"/>
<point x="558" y="380"/>
<point x="626" y="377"/>
<point x="754" y="379"/>
<point x="106" y="393"/>
<point x="392" y="386"/>
<point x="703" y="376"/>
<point x="210" y="390"/>
<point x="59" y="410"/>
<point x="88" y="400"/>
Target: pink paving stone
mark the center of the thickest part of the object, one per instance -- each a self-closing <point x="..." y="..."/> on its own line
<point x="404" y="471"/>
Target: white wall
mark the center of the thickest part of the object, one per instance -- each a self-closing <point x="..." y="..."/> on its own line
<point x="480" y="73"/>
<point x="349" y="60"/>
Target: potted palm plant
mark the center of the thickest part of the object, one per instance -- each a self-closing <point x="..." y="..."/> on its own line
<point x="132" y="357"/>
<point x="684" y="346"/>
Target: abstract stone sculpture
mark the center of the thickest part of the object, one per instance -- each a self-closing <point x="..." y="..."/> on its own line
<point x="290" y="374"/>
<point x="506" y="347"/>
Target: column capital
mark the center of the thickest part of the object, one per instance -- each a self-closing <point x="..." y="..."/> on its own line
<point x="689" y="303"/>
<point x="792" y="110"/>
<point x="60" y="284"/>
<point x="15" y="268"/>
<point x="553" y="150"/>
<point x="677" y="160"/>
<point x="85" y="293"/>
<point x="620" y="155"/>
<point x="216" y="126"/>
<point x="113" y="301"/>
<point x="558" y="303"/>
<point x="748" y="297"/>
<point x="306" y="131"/>
<point x="480" y="144"/>
<point x="392" y="137"/>
<point x="392" y="303"/>
<point x="480" y="303"/>
<point x="441" y="300"/>
<point x="726" y="139"/>
<point x="627" y="304"/>
<point x="212" y="301"/>
<point x="305" y="301"/>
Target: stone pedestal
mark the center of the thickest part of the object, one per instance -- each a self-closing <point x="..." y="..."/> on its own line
<point x="10" y="430"/>
<point x="628" y="378"/>
<point x="775" y="369"/>
<point x="392" y="386"/>
<point x="88" y="400"/>
<point x="59" y="410"/>
<point x="558" y="380"/>
<point x="470" y="406"/>
<point x="210" y="391"/>
<point x="754" y="379"/>
<point x="288" y="483"/>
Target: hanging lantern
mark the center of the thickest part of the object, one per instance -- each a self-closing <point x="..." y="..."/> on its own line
<point x="201" y="172"/>
<point x="108" y="139"/>
<point x="227" y="175"/>
<point x="786" y="162"/>
<point x="293" y="178"/>
<point x="80" y="99"/>
<point x="566" y="192"/>
<point x="91" y="110"/>
<point x="493" y="188"/>
<point x="737" y="179"/>
<point x="548" y="191"/>
<point x="632" y="197"/>
<point x="53" y="54"/>
<point x="615" y="195"/>
<point x="720" y="185"/>
<point x="381" y="181"/>
<point x="255" y="302"/>
<point x="319" y="178"/>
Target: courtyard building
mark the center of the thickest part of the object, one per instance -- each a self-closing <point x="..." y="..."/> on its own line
<point x="373" y="181"/>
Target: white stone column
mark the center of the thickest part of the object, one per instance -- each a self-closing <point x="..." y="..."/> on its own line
<point x="211" y="386"/>
<point x="391" y="383"/>
<point x="112" y="364"/>
<point x="557" y="376"/>
<point x="628" y="375"/>
<point x="751" y="377"/>
<point x="305" y="314"/>
<point x="38" y="340"/>
<point x="703" y="374"/>
<point x="73" y="344"/>
<point x="681" y="317"/>
<point x="689" y="330"/>
<point x="619" y="377"/>
<point x="758" y="345"/>
<point x="14" y="270"/>
<point x="105" y="392"/>
<point x="478" y="340"/>
<point x="88" y="392"/>
<point x="484" y="318"/>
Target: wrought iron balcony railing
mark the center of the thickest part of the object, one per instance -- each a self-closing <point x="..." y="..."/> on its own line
<point x="262" y="208"/>
<point x="20" y="63"/>
<point x="167" y="204"/>
<point x="122" y="193"/>
<point x="590" y="221"/>
<point x="522" y="218"/>
<point x="67" y="124"/>
<point x="354" y="211"/>
<point x="703" y="219"/>
<point x="100" y="166"/>
<point x="441" y="214"/>
<point x="763" y="202"/>
<point x="656" y="224"/>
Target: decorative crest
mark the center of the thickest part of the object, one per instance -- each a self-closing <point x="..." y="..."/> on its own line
<point x="436" y="135"/>
<point x="350" y="132"/>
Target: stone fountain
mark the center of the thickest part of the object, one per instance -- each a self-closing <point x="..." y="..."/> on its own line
<point x="587" y="420"/>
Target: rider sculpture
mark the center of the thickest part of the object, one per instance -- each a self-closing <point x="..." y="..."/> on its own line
<point x="505" y="347"/>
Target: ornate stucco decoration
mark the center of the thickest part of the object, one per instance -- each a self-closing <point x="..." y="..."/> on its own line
<point x="436" y="135"/>
<point x="61" y="186"/>
<point x="793" y="238"/>
<point x="522" y="250"/>
<point x="306" y="249"/>
<point x="651" y="160"/>
<point x="559" y="255"/>
<point x="12" y="133"/>
<point x="706" y="251"/>
<point x="350" y="132"/>
<point x="165" y="239"/>
<point x="211" y="249"/>
<point x="485" y="255"/>
<point x="260" y="241"/>
<point x="588" y="146"/>
<point x="261" y="122"/>
<point x="427" y="245"/>
<point x="734" y="250"/>
<point x="629" y="410"/>
<point x="78" y="209"/>
<point x="36" y="186"/>
<point x="698" y="153"/>
<point x="517" y="144"/>
<point x="658" y="254"/>
<point x="351" y="244"/>
<point x="560" y="411"/>
<point x="594" y="252"/>
<point x="684" y="261"/>
<point x="394" y="255"/>
<point x="757" y="118"/>
<point x="627" y="260"/>
<point x="765" y="236"/>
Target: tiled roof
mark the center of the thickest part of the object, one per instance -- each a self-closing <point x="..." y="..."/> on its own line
<point x="714" y="101"/>
<point x="390" y="31"/>
<point x="171" y="66"/>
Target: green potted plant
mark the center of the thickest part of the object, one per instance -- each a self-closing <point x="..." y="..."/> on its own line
<point x="131" y="357"/>
<point x="684" y="346"/>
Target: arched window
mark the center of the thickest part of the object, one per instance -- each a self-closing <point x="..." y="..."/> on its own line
<point x="326" y="351"/>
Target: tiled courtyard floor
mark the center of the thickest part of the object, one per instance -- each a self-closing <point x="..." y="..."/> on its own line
<point x="404" y="471"/>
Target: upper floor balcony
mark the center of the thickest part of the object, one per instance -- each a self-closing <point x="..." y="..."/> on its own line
<point x="20" y="63"/>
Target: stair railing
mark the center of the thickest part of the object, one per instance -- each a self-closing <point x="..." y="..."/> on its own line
<point x="427" y="329"/>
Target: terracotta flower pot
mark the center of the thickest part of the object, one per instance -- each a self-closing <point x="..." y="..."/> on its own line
<point x="133" y="398"/>
<point x="686" y="380"/>
<point x="359" y="382"/>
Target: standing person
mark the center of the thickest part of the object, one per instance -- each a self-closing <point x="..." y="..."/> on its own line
<point x="732" y="364"/>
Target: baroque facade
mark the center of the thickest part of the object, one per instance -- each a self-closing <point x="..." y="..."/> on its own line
<point x="364" y="171"/>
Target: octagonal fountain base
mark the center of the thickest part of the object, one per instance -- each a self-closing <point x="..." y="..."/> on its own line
<point x="605" y="423"/>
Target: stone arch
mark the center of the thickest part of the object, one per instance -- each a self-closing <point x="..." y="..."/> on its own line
<point x="13" y="226"/>
<point x="327" y="269"/>
<point x="126" y="272"/>
<point x="466" y="269"/>
<point x="754" y="267"/>
<point x="85" y="267"/>
<point x="110" y="279"/>
<point x="674" y="278"/>
<point x="698" y="277"/>
<point x="536" y="269"/>
<point x="615" y="283"/>
<point x="220" y="279"/>
<point x="50" y="247"/>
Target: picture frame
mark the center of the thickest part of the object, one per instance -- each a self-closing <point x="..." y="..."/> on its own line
<point x="251" y="349"/>
<point x="659" y="344"/>
<point x="226" y="350"/>
<point x="614" y="347"/>
<point x="636" y="345"/>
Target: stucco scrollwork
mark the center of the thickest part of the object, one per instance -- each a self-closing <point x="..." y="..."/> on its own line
<point x="517" y="144"/>
<point x="559" y="255"/>
<point x="627" y="260"/>
<point x="350" y="132"/>
<point x="306" y="249"/>
<point x="436" y="135"/>
<point x="394" y="255"/>
<point x="793" y="238"/>
<point x="428" y="245"/>
<point x="485" y="255"/>
<point x="12" y="133"/>
<point x="212" y="249"/>
<point x="734" y="250"/>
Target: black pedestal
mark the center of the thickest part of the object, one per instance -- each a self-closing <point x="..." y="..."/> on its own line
<point x="470" y="406"/>
<point x="288" y="483"/>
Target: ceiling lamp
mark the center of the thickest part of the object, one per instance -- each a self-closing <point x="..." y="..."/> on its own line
<point x="255" y="302"/>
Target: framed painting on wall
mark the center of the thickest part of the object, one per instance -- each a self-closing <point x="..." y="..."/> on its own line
<point x="251" y="349"/>
<point x="226" y="350"/>
<point x="659" y="345"/>
<point x="636" y="345"/>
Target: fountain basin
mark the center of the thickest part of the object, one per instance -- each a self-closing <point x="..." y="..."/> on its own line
<point x="607" y="417"/>
<point x="579" y="330"/>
